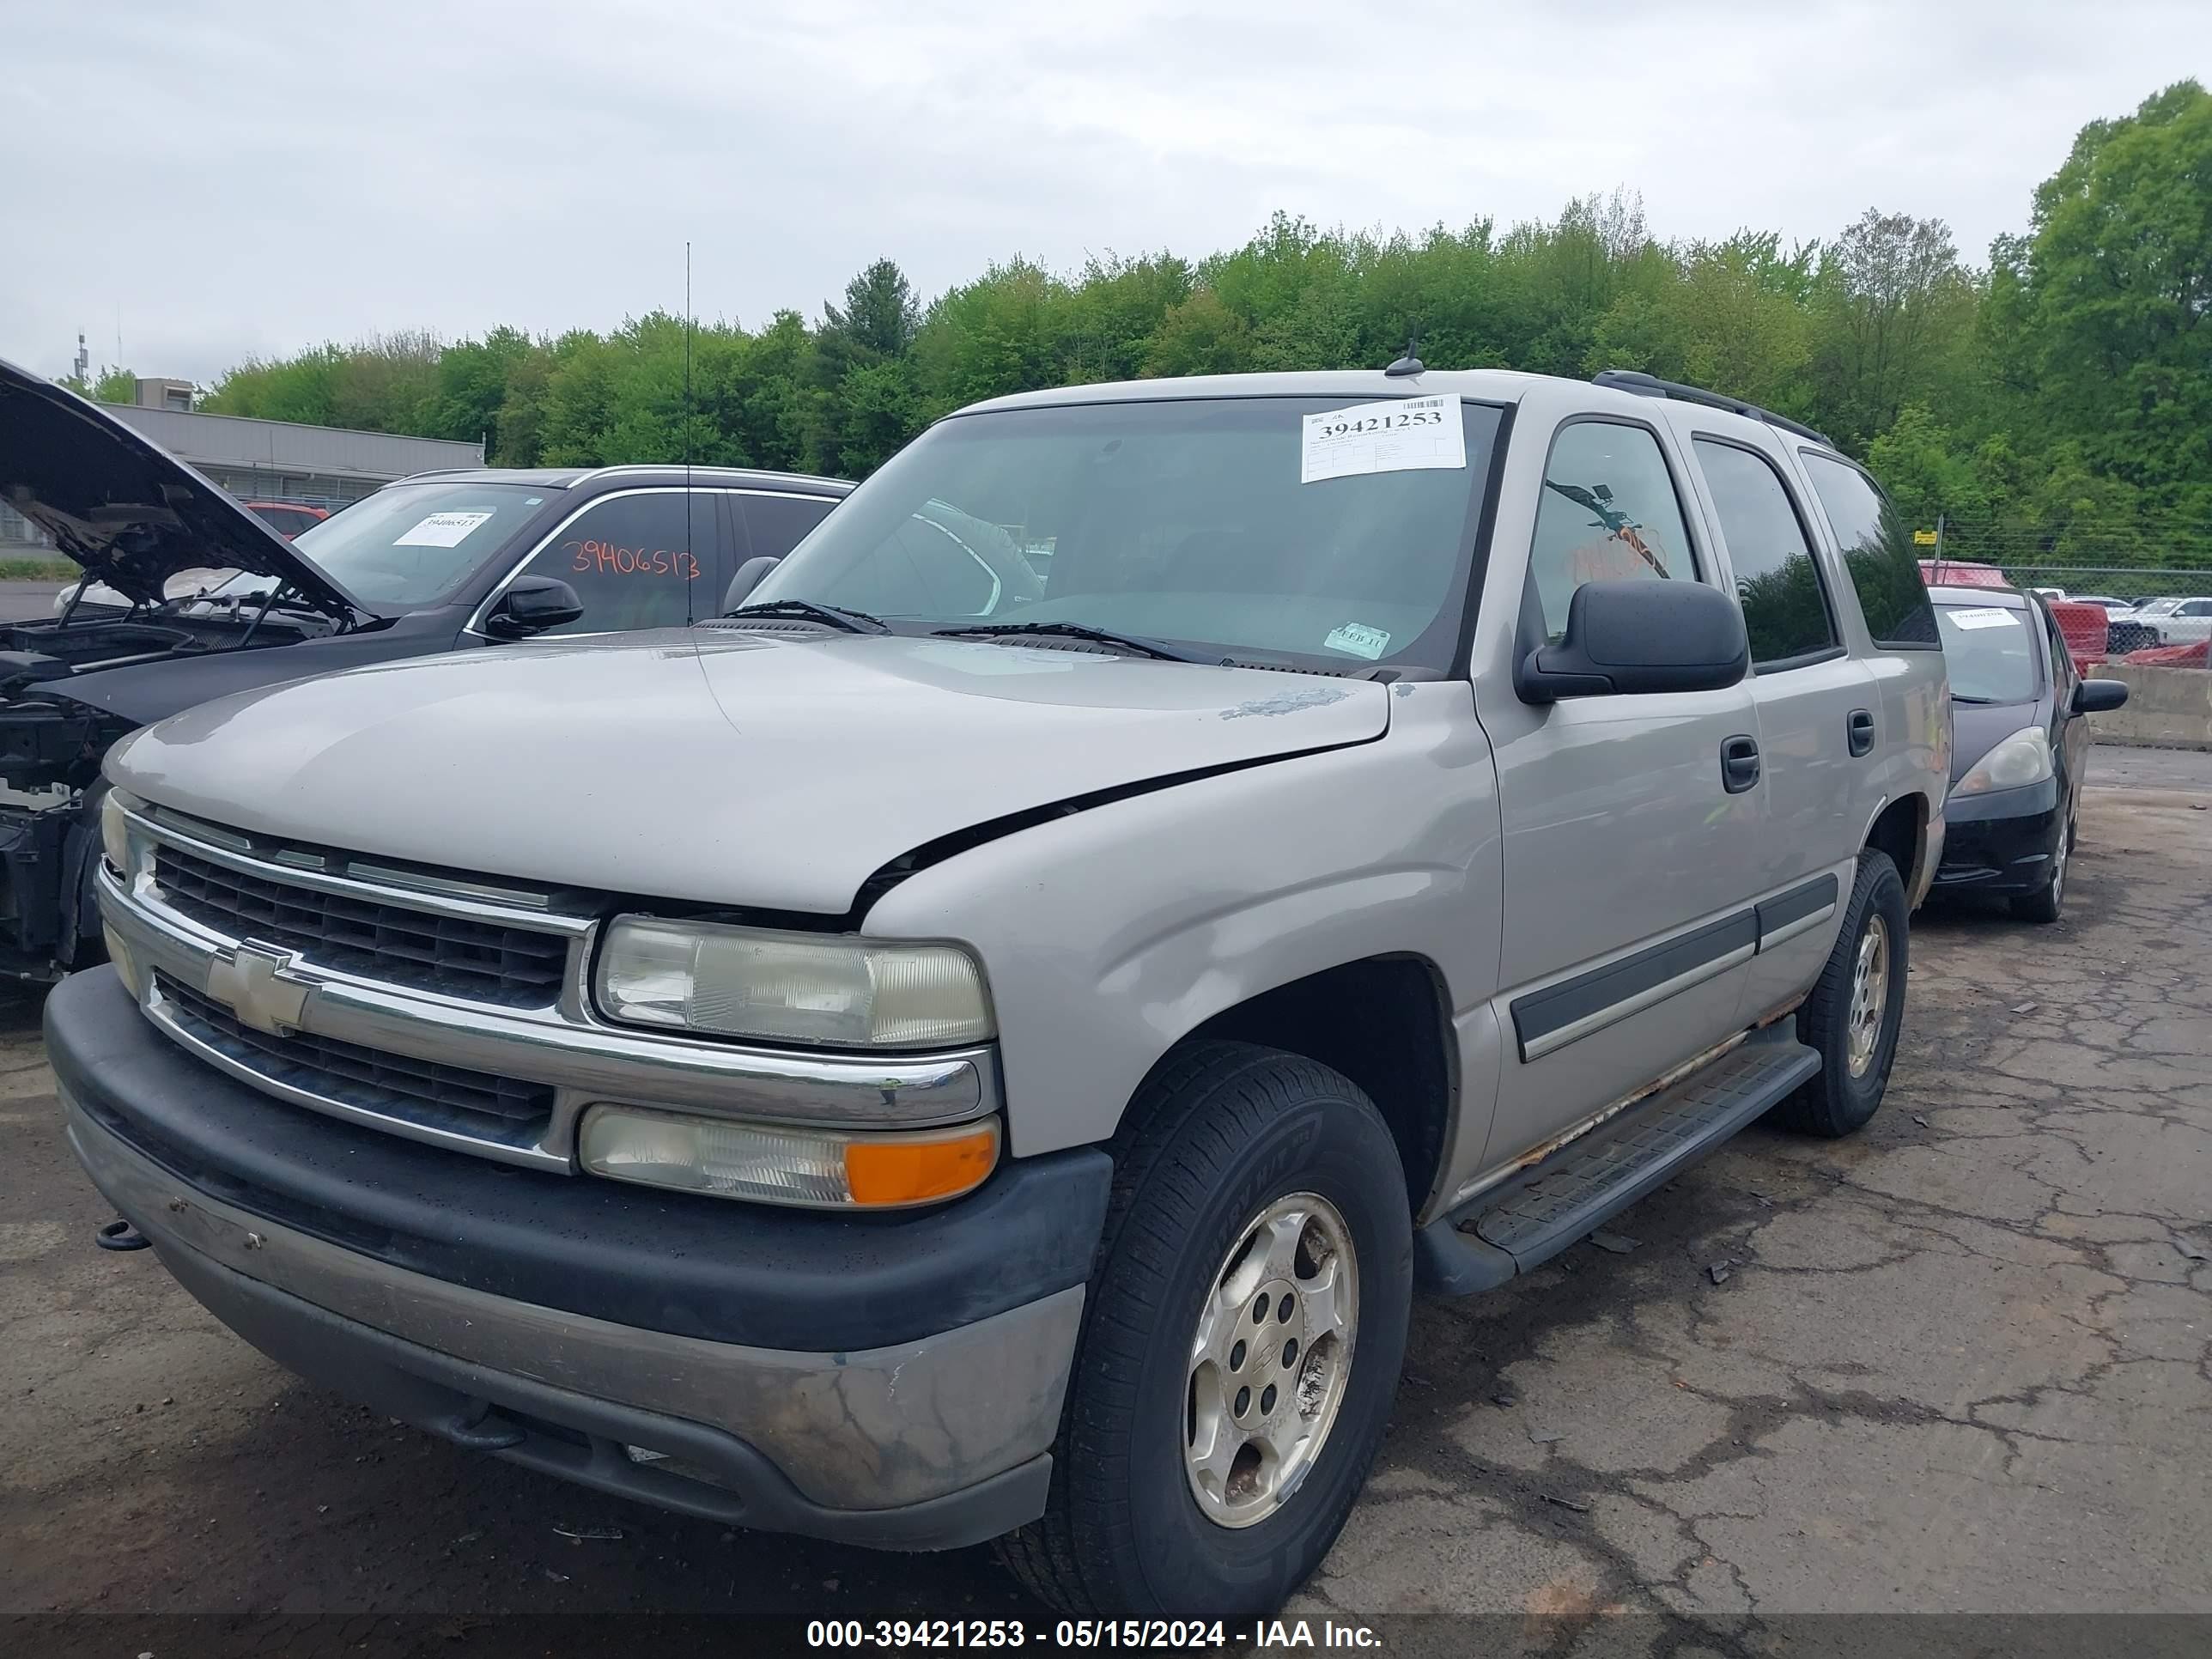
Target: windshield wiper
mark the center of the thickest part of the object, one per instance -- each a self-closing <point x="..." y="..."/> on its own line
<point x="829" y="616"/>
<point x="1960" y="697"/>
<point x="1071" y="631"/>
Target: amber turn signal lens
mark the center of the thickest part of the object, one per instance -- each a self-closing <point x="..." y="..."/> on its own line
<point x="916" y="1171"/>
<point x="821" y="1169"/>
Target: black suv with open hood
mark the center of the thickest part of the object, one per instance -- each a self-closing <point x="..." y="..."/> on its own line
<point x="441" y="561"/>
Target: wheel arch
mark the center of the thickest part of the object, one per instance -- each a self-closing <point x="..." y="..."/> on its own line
<point x="1901" y="830"/>
<point x="1385" y="1022"/>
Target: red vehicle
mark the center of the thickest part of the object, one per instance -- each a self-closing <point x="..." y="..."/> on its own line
<point x="1957" y="573"/>
<point x="288" y="519"/>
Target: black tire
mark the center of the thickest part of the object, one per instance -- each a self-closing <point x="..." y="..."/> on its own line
<point x="1216" y="1133"/>
<point x="2047" y="901"/>
<point x="1837" y="1101"/>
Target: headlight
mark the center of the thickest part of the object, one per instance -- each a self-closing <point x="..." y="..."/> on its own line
<point x="820" y="1170"/>
<point x="2022" y="759"/>
<point x="790" y="987"/>
<point x="114" y="828"/>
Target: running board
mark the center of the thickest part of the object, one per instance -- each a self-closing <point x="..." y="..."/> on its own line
<point x="1527" y="1220"/>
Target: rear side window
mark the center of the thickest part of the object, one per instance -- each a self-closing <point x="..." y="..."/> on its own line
<point x="1877" y="552"/>
<point x="1785" y="604"/>
<point x="1609" y="514"/>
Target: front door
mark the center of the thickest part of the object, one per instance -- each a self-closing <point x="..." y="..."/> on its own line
<point x="1627" y="853"/>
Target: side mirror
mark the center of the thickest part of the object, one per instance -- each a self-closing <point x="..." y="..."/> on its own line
<point x="1636" y="637"/>
<point x="747" y="578"/>
<point x="2097" y="697"/>
<point x="530" y="605"/>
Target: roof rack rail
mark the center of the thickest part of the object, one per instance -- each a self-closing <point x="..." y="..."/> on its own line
<point x="1650" y="386"/>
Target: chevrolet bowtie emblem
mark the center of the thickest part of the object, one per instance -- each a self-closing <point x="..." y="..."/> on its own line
<point x="253" y="982"/>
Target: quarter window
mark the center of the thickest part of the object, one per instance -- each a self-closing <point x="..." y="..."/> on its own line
<point x="1877" y="552"/>
<point x="774" y="525"/>
<point x="1785" y="607"/>
<point x="636" y="562"/>
<point x="1609" y="514"/>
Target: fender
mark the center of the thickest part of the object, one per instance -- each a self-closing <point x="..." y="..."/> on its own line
<point x="1108" y="935"/>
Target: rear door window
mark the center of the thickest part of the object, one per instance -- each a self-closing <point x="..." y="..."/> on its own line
<point x="1878" y="554"/>
<point x="1785" y="602"/>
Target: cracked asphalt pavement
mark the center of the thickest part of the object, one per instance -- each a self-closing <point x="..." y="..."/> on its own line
<point x="1961" y="1362"/>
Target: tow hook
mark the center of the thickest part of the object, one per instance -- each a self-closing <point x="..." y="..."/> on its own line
<point x="120" y="1234"/>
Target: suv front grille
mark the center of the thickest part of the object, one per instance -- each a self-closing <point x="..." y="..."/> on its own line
<point x="514" y="967"/>
<point x="422" y="1091"/>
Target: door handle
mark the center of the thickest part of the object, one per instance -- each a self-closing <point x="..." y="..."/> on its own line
<point x="1861" y="732"/>
<point x="1739" y="764"/>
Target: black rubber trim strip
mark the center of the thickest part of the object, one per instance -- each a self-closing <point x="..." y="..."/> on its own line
<point x="1795" y="905"/>
<point x="1541" y="1012"/>
<point x="677" y="1262"/>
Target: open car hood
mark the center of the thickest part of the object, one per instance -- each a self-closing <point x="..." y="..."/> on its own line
<point x="128" y="511"/>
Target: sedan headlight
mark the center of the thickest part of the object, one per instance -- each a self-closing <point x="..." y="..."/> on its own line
<point x="2021" y="759"/>
<point x="115" y="829"/>
<point x="790" y="987"/>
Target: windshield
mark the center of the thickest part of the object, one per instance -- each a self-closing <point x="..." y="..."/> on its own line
<point x="1988" y="655"/>
<point x="1182" y="520"/>
<point x="410" y="544"/>
<point x="2159" y="607"/>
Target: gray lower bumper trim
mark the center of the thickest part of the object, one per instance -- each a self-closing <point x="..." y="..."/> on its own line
<point x="876" y="1430"/>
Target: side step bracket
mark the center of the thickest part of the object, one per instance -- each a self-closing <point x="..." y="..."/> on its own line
<point x="1524" y="1222"/>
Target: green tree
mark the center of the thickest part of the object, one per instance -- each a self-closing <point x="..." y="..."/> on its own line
<point x="2115" y="287"/>
<point x="1894" y="311"/>
<point x="880" y="314"/>
<point x="1201" y="336"/>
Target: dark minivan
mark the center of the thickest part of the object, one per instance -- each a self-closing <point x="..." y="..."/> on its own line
<point x="2020" y="747"/>
<point x="440" y="562"/>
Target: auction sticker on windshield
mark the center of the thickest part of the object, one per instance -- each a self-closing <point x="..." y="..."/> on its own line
<point x="1359" y="638"/>
<point x="442" y="530"/>
<point x="1398" y="435"/>
<point x="1988" y="616"/>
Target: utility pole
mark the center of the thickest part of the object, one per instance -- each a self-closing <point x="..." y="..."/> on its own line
<point x="83" y="363"/>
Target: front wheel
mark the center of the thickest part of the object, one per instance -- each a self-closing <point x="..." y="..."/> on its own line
<point x="1241" y="1347"/>
<point x="2046" y="902"/>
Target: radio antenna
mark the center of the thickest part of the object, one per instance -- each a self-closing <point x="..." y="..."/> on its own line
<point x="691" y="554"/>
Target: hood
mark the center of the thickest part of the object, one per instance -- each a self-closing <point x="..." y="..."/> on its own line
<point x="128" y="511"/>
<point x="719" y="766"/>
<point x="1978" y="727"/>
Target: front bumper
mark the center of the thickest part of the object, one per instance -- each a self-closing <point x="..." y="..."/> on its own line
<point x="2001" y="841"/>
<point x="390" y="1272"/>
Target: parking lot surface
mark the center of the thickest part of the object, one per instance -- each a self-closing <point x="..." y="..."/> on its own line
<point x="1960" y="1361"/>
<point x="27" y="601"/>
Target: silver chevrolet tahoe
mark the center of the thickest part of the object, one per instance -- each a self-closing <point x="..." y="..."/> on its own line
<point x="988" y="1038"/>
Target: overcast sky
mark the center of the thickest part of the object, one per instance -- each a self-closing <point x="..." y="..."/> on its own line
<point x="221" y="178"/>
